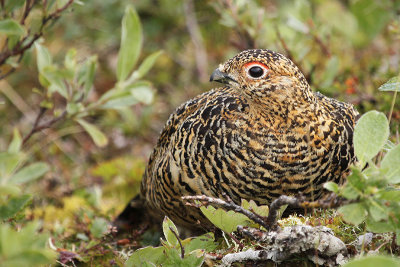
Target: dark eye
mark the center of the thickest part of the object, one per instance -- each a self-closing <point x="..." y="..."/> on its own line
<point x="256" y="72"/>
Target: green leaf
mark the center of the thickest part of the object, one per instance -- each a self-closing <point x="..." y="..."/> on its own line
<point x="30" y="173"/>
<point x="8" y="163"/>
<point x="25" y="247"/>
<point x="73" y="108"/>
<point x="11" y="5"/>
<point x="11" y="27"/>
<point x="205" y="242"/>
<point x="349" y="192"/>
<point x="86" y="74"/>
<point x="120" y="103"/>
<point x="148" y="256"/>
<point x="370" y="135"/>
<point x="261" y="210"/>
<point x="393" y="195"/>
<point x="168" y="234"/>
<point x="392" y="85"/>
<point x="390" y="165"/>
<point x="13" y="206"/>
<point x="70" y="60"/>
<point x="357" y="179"/>
<point x="331" y="186"/>
<point x="374" y="261"/>
<point x="99" y="227"/>
<point x="43" y="57"/>
<point x="227" y="221"/>
<point x="331" y="70"/>
<point x="355" y="184"/>
<point x="377" y="212"/>
<point x="10" y="189"/>
<point x="143" y="94"/>
<point x="379" y="226"/>
<point x="193" y="259"/>
<point x="146" y="65"/>
<point x="353" y="213"/>
<point x="54" y="78"/>
<point x="98" y="137"/>
<point x="15" y="145"/>
<point x="131" y="43"/>
<point x="371" y="16"/>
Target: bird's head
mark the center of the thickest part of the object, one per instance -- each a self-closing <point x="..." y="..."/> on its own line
<point x="263" y="76"/>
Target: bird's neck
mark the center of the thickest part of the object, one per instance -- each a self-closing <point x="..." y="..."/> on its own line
<point x="284" y="107"/>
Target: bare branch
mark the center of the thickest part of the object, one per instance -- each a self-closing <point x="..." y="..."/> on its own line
<point x="36" y="127"/>
<point x="197" y="39"/>
<point x="271" y="220"/>
<point x="241" y="246"/>
<point x="21" y="47"/>
<point x="226" y="205"/>
<point x="317" y="243"/>
<point x="179" y="241"/>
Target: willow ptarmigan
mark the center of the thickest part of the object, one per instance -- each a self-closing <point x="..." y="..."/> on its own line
<point x="262" y="135"/>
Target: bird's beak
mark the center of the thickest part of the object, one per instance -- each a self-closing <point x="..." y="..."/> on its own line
<point x="221" y="77"/>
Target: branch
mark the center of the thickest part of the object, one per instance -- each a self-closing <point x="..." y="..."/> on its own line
<point x="270" y="222"/>
<point x="179" y="241"/>
<point x="226" y="205"/>
<point x="195" y="34"/>
<point x="20" y="47"/>
<point x="289" y="53"/>
<point x="36" y="127"/>
<point x="317" y="243"/>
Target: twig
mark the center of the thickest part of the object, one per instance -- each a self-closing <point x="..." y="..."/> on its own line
<point x="321" y="44"/>
<point x="271" y="220"/>
<point x="179" y="240"/>
<point x="36" y="127"/>
<point x="289" y="53"/>
<point x="20" y="47"/>
<point x="241" y="30"/>
<point x="197" y="39"/>
<point x="226" y="205"/>
<point x="241" y="246"/>
<point x="27" y="10"/>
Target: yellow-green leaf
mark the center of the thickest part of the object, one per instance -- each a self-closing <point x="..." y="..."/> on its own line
<point x="392" y="85"/>
<point x="43" y="57"/>
<point x="15" y="145"/>
<point x="168" y="234"/>
<point x="11" y="27"/>
<point x="370" y="135"/>
<point x="390" y="165"/>
<point x="227" y="221"/>
<point x="374" y="261"/>
<point x="353" y="213"/>
<point x="147" y="64"/>
<point x="30" y="173"/>
<point x="98" y="137"/>
<point x="131" y="43"/>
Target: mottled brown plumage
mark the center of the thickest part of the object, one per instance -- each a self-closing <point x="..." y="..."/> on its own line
<point x="262" y="135"/>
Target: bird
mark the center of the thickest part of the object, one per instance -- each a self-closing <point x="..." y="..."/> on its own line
<point x="261" y="135"/>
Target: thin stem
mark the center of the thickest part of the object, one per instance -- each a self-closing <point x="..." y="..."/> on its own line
<point x="379" y="157"/>
<point x="392" y="106"/>
<point x="179" y="240"/>
<point x="36" y="127"/>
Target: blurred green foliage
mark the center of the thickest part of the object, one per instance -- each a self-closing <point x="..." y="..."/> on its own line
<point x="78" y="174"/>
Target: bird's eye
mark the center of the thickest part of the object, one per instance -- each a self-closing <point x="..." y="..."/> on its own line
<point x="255" y="70"/>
